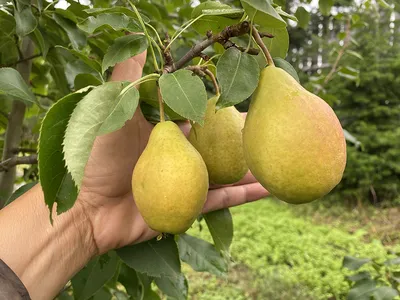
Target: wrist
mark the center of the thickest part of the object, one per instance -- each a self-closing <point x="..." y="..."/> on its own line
<point x="83" y="230"/>
<point x="38" y="251"/>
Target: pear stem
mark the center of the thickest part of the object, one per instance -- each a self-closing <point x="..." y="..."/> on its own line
<point x="214" y="81"/>
<point x="202" y="71"/>
<point x="160" y="102"/>
<point x="260" y="43"/>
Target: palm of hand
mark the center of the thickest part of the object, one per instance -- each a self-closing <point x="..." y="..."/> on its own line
<point x="106" y="192"/>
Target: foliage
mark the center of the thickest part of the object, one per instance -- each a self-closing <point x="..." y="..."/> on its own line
<point x="372" y="170"/>
<point x="384" y="284"/>
<point x="303" y="261"/>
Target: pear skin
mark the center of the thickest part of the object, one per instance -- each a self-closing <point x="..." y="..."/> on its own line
<point x="293" y="142"/>
<point x="219" y="142"/>
<point x="170" y="181"/>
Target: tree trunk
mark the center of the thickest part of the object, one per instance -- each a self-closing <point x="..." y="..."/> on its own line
<point x="14" y="128"/>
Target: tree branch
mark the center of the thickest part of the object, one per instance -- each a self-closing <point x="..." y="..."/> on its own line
<point x="24" y="150"/>
<point x="22" y="60"/>
<point x="203" y="71"/>
<point x="341" y="52"/>
<point x="167" y="56"/>
<point x="13" y="133"/>
<point x="17" y="160"/>
<point x="230" y="44"/>
<point x="222" y="38"/>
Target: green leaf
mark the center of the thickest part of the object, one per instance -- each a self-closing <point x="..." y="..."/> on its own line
<point x="355" y="54"/>
<point x="283" y="64"/>
<point x="394" y="261"/>
<point x="215" y="23"/>
<point x="154" y="258"/>
<point x="325" y="6"/>
<point x="20" y="191"/>
<point x="385" y="293"/>
<point x="94" y="275"/>
<point x="84" y="125"/>
<point x="64" y="295"/>
<point x="94" y="64"/>
<point x="68" y="14"/>
<point x="237" y="74"/>
<point x="176" y="288"/>
<point x="147" y="292"/>
<point x="148" y="94"/>
<point x="284" y="14"/>
<point x="77" y="37"/>
<point x="303" y="17"/>
<point x="229" y="12"/>
<point x="57" y="72"/>
<point x="384" y="4"/>
<point x="75" y="67"/>
<point x="208" y="7"/>
<point x="25" y="21"/>
<point x="54" y="177"/>
<point x="123" y="110"/>
<point x="114" y="21"/>
<point x="150" y="9"/>
<point x="354" y="263"/>
<point x="77" y="9"/>
<point x="40" y="42"/>
<point x="220" y="225"/>
<point x="124" y="48"/>
<point x="115" y="10"/>
<point x="102" y="3"/>
<point x="8" y="49"/>
<point x="102" y="294"/>
<point x="359" y="276"/>
<point x="151" y="295"/>
<point x="185" y="94"/>
<point x="7" y="24"/>
<point x="278" y="46"/>
<point x="12" y="84"/>
<point x="263" y="13"/>
<point x="83" y="80"/>
<point x="350" y="73"/>
<point x="201" y="255"/>
<point x="362" y="290"/>
<point x="129" y="279"/>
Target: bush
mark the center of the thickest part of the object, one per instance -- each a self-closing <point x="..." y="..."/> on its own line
<point x="284" y="254"/>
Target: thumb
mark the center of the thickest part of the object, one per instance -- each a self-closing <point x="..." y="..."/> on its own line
<point x="130" y="69"/>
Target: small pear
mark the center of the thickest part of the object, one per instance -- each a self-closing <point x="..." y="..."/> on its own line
<point x="170" y="181"/>
<point x="293" y="142"/>
<point x="219" y="142"/>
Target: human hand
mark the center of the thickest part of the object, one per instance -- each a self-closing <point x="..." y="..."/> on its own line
<point x="106" y="192"/>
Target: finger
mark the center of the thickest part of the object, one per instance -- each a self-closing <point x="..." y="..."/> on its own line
<point x="184" y="126"/>
<point x="233" y="195"/>
<point x="247" y="179"/>
<point x="130" y="69"/>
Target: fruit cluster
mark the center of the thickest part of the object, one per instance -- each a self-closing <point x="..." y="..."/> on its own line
<point x="291" y="141"/>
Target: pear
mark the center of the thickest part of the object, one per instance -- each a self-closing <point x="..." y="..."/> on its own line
<point x="219" y="142"/>
<point x="170" y="181"/>
<point x="293" y="142"/>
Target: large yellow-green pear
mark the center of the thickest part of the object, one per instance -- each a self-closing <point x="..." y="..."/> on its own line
<point x="219" y="142"/>
<point x="170" y="180"/>
<point x="293" y="142"/>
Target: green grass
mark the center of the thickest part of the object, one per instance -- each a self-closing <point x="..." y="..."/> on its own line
<point x="280" y="254"/>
